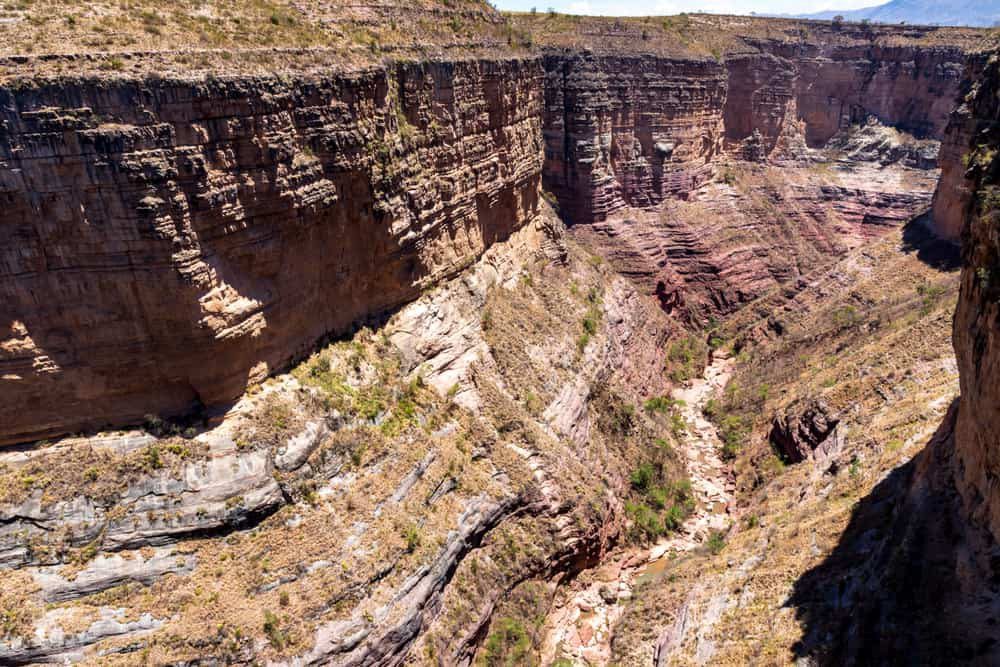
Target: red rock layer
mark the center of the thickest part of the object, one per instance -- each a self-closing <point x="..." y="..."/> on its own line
<point x="164" y="243"/>
<point x="728" y="245"/>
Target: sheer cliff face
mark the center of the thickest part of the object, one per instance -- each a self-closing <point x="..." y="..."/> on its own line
<point x="631" y="130"/>
<point x="167" y="242"/>
<point x="954" y="193"/>
<point x="977" y="318"/>
<point x="627" y="131"/>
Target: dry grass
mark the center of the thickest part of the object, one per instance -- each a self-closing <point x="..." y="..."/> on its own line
<point x="259" y="584"/>
<point x="62" y="473"/>
<point x="715" y="36"/>
<point x="17" y="610"/>
<point x="123" y="37"/>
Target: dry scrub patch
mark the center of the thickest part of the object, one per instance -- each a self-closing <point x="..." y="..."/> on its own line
<point x="115" y="38"/>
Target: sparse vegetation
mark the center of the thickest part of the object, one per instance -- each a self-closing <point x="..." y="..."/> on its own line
<point x="716" y="542"/>
<point x="508" y="645"/>
<point x="685" y="358"/>
<point x="412" y="538"/>
<point x="659" y="504"/>
<point x="591" y="320"/>
<point x="272" y="629"/>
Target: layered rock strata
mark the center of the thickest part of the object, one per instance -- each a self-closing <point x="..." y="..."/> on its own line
<point x="629" y="130"/>
<point x="165" y="243"/>
<point x="759" y="228"/>
<point x="388" y="523"/>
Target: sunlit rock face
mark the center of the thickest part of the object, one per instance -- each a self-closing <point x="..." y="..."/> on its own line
<point x="166" y="242"/>
<point x="976" y="211"/>
<point x="630" y="130"/>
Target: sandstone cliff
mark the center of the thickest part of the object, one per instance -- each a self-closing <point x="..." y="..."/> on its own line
<point x="171" y="239"/>
<point x="976" y="212"/>
<point x="629" y="130"/>
<point x="428" y="491"/>
<point x="168" y="242"/>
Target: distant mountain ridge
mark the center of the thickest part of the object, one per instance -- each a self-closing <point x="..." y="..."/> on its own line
<point x="982" y="13"/>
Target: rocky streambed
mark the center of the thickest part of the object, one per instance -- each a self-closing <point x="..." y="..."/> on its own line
<point x="582" y="621"/>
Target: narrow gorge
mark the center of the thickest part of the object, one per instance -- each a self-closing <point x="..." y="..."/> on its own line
<point x="425" y="334"/>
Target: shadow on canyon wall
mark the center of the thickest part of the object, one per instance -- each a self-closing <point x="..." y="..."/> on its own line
<point x="910" y="582"/>
<point x="940" y="254"/>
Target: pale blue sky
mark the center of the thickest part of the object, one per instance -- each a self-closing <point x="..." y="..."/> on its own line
<point x="662" y="7"/>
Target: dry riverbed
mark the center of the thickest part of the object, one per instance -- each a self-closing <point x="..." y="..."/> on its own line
<point x="585" y="613"/>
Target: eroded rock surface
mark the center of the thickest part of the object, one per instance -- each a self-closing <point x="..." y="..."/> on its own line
<point x="976" y="209"/>
<point x="168" y="242"/>
<point x="629" y="130"/>
<point x="801" y="434"/>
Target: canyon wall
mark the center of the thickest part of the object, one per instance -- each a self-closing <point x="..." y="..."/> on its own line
<point x="630" y="130"/>
<point x="165" y="243"/>
<point x="954" y="192"/>
<point x="168" y="241"/>
<point x="974" y="207"/>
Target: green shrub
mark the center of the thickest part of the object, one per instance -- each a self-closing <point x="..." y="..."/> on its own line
<point x="646" y="521"/>
<point x="716" y="541"/>
<point x="658" y="496"/>
<point x="683" y="358"/>
<point x="113" y="64"/>
<point x="678" y="426"/>
<point x="508" y="645"/>
<point x="412" y="537"/>
<point x="642" y="477"/>
<point x="152" y="459"/>
<point x="846" y="316"/>
<point x="674" y="517"/>
<point x="733" y="431"/>
<point x="663" y="505"/>
<point x="929" y="296"/>
<point x="661" y="404"/>
<point x="272" y="629"/>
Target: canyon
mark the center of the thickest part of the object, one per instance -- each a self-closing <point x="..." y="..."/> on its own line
<point x="424" y="334"/>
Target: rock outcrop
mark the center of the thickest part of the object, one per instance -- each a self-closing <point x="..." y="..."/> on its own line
<point x="809" y="431"/>
<point x="954" y="192"/>
<point x="165" y="243"/>
<point x="628" y="130"/>
<point x="760" y="228"/>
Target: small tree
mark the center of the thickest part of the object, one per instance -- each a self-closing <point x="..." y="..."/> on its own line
<point x="838" y="21"/>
